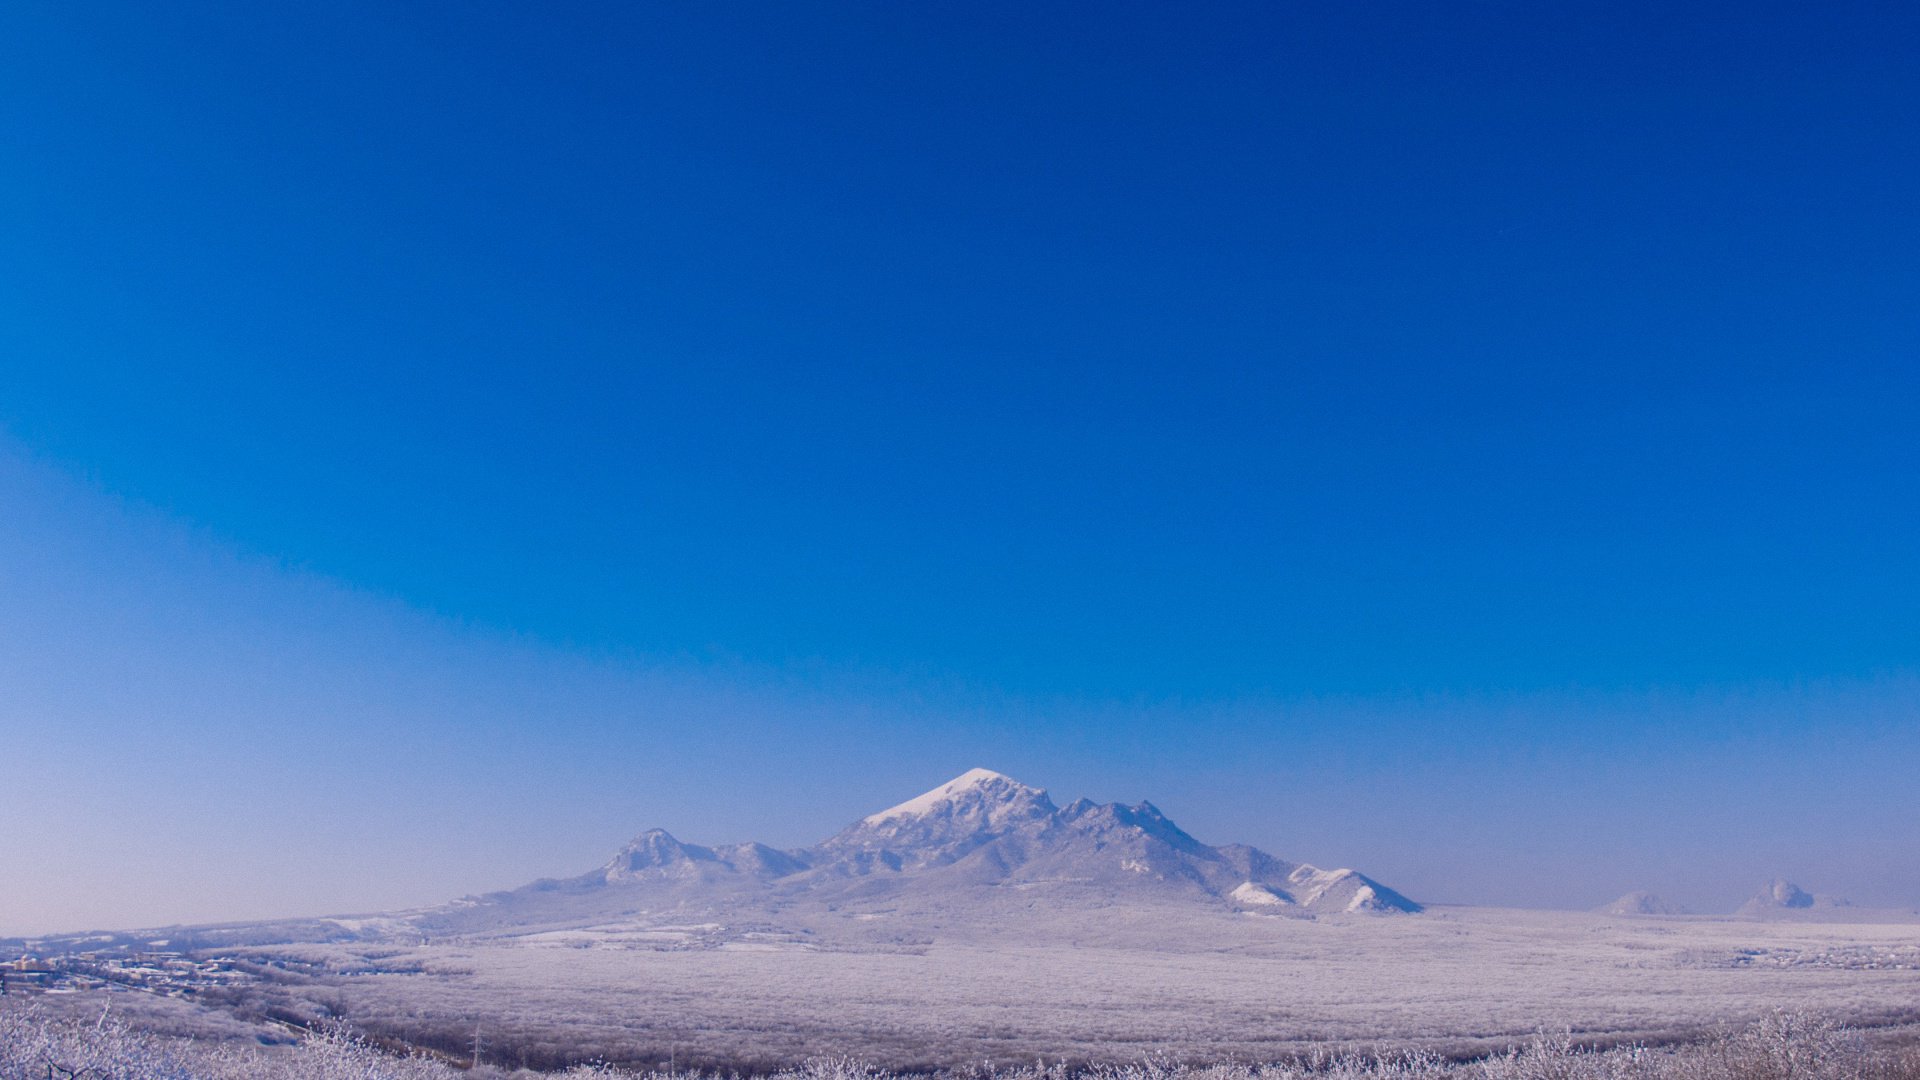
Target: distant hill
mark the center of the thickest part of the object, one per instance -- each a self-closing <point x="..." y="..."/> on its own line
<point x="1781" y="897"/>
<point x="1640" y="903"/>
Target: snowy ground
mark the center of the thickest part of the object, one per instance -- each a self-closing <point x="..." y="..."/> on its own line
<point x="898" y="989"/>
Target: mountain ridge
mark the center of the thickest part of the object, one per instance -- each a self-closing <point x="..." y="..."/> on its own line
<point x="982" y="829"/>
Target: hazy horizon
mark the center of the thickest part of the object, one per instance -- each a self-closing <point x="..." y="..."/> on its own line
<point x="1472" y="446"/>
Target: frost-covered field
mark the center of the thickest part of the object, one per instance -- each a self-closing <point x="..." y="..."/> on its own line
<point x="1113" y="986"/>
<point x="1781" y="1046"/>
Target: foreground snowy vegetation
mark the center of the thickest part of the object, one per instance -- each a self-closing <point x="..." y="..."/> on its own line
<point x="38" y="1045"/>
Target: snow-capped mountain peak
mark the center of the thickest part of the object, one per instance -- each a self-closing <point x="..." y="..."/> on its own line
<point x="942" y="826"/>
<point x="986" y="781"/>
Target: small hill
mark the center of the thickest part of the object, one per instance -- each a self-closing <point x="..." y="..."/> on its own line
<point x="1640" y="903"/>
<point x="1781" y="897"/>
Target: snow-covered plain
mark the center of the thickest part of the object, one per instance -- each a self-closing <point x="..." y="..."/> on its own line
<point x="1121" y="985"/>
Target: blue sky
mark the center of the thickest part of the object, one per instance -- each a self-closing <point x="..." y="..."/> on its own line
<point x="1313" y="419"/>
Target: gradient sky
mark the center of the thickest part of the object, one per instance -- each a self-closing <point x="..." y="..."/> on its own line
<point x="1473" y="443"/>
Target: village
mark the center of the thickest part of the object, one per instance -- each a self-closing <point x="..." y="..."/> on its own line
<point x="172" y="974"/>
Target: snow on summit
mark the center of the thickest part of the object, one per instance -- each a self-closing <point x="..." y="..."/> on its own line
<point x="920" y="804"/>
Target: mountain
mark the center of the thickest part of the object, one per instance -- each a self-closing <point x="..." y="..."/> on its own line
<point x="655" y="853"/>
<point x="979" y="814"/>
<point x="1783" y="897"/>
<point x="1640" y="903"/>
<point x="974" y="841"/>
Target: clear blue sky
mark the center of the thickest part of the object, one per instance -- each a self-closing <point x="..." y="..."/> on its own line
<point x="1424" y="407"/>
